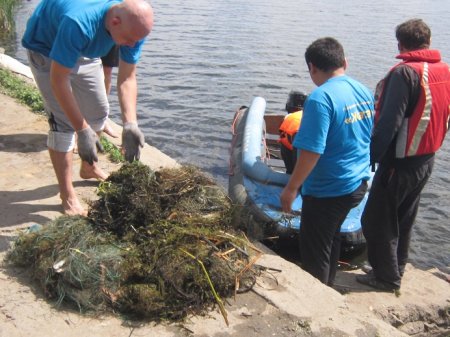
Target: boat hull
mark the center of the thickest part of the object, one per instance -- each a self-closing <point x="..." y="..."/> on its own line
<point x="255" y="187"/>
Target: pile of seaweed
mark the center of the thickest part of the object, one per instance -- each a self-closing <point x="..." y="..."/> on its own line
<point x="155" y="245"/>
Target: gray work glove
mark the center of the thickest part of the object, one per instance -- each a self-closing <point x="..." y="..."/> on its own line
<point x="132" y="141"/>
<point x="88" y="144"/>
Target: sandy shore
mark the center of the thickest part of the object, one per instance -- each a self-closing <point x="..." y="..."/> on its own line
<point x="286" y="303"/>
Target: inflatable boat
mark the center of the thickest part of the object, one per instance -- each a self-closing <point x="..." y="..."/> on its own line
<point x="257" y="178"/>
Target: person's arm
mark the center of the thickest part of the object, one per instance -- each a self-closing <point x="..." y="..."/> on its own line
<point x="60" y="81"/>
<point x="398" y="99"/>
<point x="132" y="137"/>
<point x="127" y="90"/>
<point x="306" y="161"/>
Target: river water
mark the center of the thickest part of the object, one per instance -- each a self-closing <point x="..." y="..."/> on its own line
<point x="205" y="58"/>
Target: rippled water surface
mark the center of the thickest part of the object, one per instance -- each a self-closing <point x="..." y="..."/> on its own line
<point x="206" y="58"/>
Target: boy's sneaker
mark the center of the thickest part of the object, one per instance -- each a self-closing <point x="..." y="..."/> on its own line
<point x="367" y="268"/>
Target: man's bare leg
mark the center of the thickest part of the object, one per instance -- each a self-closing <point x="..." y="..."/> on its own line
<point x="75" y="148"/>
<point x="110" y="131"/>
<point x="107" y="71"/>
<point x="92" y="171"/>
<point x="62" y="164"/>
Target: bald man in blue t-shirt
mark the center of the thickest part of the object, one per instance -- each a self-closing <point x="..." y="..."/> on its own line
<point x="65" y="39"/>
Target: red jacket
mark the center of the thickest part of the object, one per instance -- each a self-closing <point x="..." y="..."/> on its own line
<point x="423" y="131"/>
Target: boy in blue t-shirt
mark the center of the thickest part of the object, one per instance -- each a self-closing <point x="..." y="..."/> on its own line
<point x="333" y="161"/>
<point x="65" y="39"/>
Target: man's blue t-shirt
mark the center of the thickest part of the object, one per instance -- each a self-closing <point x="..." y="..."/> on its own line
<point x="65" y="30"/>
<point x="337" y="124"/>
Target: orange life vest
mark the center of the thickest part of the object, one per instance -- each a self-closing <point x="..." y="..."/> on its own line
<point x="289" y="128"/>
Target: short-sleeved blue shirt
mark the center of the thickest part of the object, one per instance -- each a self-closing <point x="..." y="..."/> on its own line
<point x="65" y="30"/>
<point x="337" y="123"/>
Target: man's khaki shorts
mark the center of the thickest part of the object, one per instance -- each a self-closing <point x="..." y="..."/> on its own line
<point x="88" y="87"/>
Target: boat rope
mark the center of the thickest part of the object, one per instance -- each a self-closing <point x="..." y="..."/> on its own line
<point x="236" y="118"/>
<point x="266" y="151"/>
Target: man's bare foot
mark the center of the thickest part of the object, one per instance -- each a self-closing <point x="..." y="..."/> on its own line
<point x="109" y="131"/>
<point x="73" y="207"/>
<point x="92" y="172"/>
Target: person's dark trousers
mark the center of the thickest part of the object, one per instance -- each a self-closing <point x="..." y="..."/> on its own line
<point x="389" y="215"/>
<point x="289" y="157"/>
<point x="320" y="238"/>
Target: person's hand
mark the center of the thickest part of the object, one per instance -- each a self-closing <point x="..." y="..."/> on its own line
<point x="287" y="197"/>
<point x="132" y="141"/>
<point x="88" y="143"/>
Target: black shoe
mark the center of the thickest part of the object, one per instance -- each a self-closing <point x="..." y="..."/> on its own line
<point x="371" y="281"/>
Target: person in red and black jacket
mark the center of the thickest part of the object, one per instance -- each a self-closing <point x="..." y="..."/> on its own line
<point x="411" y="121"/>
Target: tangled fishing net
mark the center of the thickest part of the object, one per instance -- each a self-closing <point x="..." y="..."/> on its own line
<point x="156" y="245"/>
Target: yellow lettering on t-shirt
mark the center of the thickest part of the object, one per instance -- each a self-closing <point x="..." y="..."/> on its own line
<point x="359" y="116"/>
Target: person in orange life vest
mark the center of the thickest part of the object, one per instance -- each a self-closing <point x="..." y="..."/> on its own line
<point x="411" y="121"/>
<point x="289" y="127"/>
